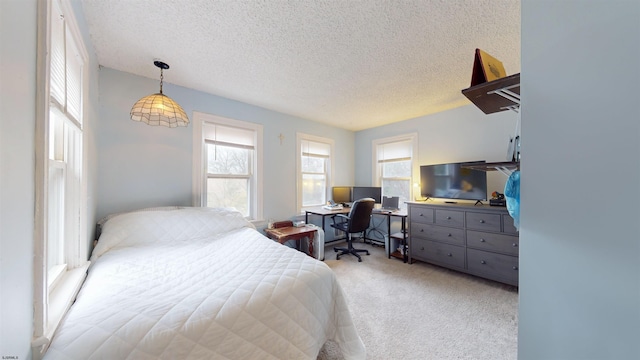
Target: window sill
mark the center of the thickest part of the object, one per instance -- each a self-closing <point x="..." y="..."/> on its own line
<point x="60" y="299"/>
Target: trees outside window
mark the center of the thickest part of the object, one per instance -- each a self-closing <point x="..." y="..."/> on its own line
<point x="393" y="162"/>
<point x="315" y="161"/>
<point x="228" y="154"/>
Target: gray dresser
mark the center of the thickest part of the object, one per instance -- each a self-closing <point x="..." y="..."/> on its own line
<point x="480" y="240"/>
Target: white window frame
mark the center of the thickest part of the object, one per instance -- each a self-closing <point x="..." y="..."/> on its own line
<point x="55" y="289"/>
<point x="377" y="166"/>
<point x="300" y="137"/>
<point x="199" y="185"/>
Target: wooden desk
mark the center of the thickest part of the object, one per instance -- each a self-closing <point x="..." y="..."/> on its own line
<point x="283" y="234"/>
<point x="320" y="211"/>
<point x="401" y="236"/>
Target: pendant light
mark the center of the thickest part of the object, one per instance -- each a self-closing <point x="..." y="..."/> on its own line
<point x="159" y="109"/>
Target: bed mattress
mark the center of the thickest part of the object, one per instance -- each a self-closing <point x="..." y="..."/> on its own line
<point x="202" y="284"/>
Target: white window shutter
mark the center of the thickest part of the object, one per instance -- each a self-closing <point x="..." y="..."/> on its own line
<point x="57" y="85"/>
<point x="74" y="80"/>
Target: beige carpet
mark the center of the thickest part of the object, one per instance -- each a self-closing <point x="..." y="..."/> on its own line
<point x="421" y="311"/>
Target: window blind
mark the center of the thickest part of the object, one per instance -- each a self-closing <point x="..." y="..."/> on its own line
<point x="228" y="136"/>
<point x="315" y="149"/>
<point x="395" y="151"/>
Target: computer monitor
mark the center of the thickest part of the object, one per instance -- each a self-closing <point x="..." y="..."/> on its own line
<point x="390" y="202"/>
<point x="361" y="192"/>
<point x="341" y="194"/>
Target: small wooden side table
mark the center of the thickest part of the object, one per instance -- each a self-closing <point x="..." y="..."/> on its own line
<point x="283" y="234"/>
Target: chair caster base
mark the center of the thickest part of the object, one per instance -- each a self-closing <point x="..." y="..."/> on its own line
<point x="350" y="251"/>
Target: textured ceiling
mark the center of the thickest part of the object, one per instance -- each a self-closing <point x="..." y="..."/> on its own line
<point x="351" y="64"/>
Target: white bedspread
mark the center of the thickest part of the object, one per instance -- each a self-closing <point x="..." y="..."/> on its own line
<point x="202" y="284"/>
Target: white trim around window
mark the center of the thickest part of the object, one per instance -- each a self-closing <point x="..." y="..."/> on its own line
<point x="59" y="121"/>
<point x="325" y="149"/>
<point x="400" y="152"/>
<point x="199" y="176"/>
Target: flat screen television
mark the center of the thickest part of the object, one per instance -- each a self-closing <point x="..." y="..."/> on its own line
<point x="341" y="194"/>
<point x="361" y="192"/>
<point x="453" y="181"/>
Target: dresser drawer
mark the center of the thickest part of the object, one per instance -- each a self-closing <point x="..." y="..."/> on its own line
<point x="438" y="233"/>
<point x="494" y="266"/>
<point x="431" y="251"/>
<point x="483" y="221"/>
<point x="421" y="215"/>
<point x="507" y="223"/>
<point x="493" y="242"/>
<point x="450" y="218"/>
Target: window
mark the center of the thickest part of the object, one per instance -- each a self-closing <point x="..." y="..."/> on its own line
<point x="314" y="170"/>
<point x="229" y="164"/>
<point x="393" y="164"/>
<point x="61" y="239"/>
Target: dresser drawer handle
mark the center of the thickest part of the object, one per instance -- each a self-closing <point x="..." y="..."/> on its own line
<point x="449" y="254"/>
<point x="482" y="262"/>
<point x="422" y="248"/>
<point x="515" y="268"/>
<point x="515" y="245"/>
<point x="421" y="214"/>
<point x="448" y="217"/>
<point x="421" y="230"/>
<point x="481" y="240"/>
<point x="481" y="221"/>
<point x="449" y="235"/>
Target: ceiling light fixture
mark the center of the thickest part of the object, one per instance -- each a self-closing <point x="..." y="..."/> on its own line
<point x="159" y="109"/>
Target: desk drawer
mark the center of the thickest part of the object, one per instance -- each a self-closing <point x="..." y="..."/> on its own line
<point x="493" y="242"/>
<point x="450" y="218"/>
<point x="438" y="233"/>
<point x="483" y="221"/>
<point x="421" y="215"/>
<point x="431" y="251"/>
<point x="493" y="266"/>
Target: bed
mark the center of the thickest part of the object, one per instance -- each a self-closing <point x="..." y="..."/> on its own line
<point x="202" y="283"/>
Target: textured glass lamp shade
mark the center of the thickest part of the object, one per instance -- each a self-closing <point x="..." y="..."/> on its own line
<point x="159" y="109"/>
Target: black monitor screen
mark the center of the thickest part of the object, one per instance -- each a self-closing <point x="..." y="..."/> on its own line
<point x="361" y="192"/>
<point x="341" y="194"/>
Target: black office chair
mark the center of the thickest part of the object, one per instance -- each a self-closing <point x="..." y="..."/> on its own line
<point x="356" y="222"/>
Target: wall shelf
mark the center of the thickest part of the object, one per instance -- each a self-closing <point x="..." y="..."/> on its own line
<point x="495" y="96"/>
<point x="492" y="97"/>
<point x="505" y="167"/>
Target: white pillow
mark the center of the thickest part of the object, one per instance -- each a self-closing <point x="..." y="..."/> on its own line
<point x="156" y="227"/>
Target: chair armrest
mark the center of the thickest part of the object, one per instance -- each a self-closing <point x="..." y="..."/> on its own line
<point x="343" y="217"/>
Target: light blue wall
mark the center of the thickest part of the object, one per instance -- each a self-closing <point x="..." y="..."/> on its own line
<point x="580" y="229"/>
<point x="17" y="156"/>
<point x="457" y="135"/>
<point x="143" y="165"/>
<point x="462" y="134"/>
<point x="580" y="256"/>
<point x="18" y="49"/>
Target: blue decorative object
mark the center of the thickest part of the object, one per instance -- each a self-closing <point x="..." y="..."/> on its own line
<point x="512" y="194"/>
